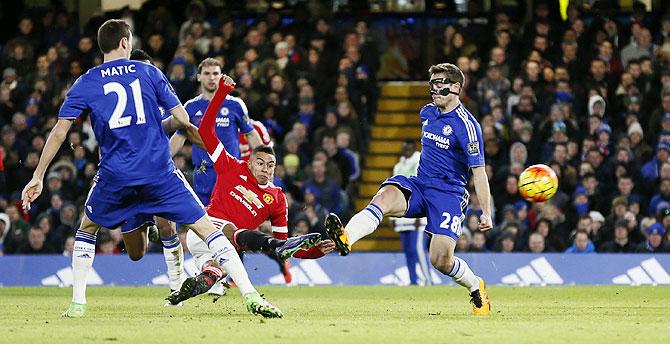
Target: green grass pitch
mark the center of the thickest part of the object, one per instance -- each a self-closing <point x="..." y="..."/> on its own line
<point x="344" y="315"/>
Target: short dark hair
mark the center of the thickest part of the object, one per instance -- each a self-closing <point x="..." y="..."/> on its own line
<point x="141" y="55"/>
<point x="584" y="217"/>
<point x="209" y="62"/>
<point x="454" y="73"/>
<point x="626" y="176"/>
<point x="581" y="231"/>
<point x="263" y="149"/>
<point x="110" y="34"/>
<point x="590" y="175"/>
<point x="621" y="223"/>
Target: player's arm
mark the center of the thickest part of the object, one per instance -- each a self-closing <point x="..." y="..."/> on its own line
<point x="481" y="182"/>
<point x="179" y="120"/>
<point x="279" y="218"/>
<point x="254" y="139"/>
<point x="212" y="144"/>
<point x="471" y="140"/>
<point x="176" y="143"/>
<point x="54" y="141"/>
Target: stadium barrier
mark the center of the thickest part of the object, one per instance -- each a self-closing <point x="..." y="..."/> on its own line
<point x="518" y="269"/>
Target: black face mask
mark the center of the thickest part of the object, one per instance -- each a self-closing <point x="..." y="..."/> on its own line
<point x="443" y="91"/>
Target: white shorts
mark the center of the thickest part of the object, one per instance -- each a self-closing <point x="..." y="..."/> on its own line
<point x="198" y="248"/>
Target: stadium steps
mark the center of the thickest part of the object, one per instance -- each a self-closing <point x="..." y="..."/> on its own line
<point x="376" y="175"/>
<point x="397" y="119"/>
<point x="395" y="132"/>
<point x="400" y="104"/>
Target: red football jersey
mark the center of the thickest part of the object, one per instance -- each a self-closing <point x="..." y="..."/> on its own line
<point x="238" y="198"/>
<point x="245" y="148"/>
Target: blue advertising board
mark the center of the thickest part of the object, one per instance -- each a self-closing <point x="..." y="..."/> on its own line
<point x="383" y="268"/>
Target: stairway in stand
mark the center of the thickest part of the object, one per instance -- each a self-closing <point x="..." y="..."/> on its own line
<point x="397" y="120"/>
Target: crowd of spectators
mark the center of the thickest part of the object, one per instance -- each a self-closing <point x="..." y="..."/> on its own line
<point x="312" y="87"/>
<point x="588" y="95"/>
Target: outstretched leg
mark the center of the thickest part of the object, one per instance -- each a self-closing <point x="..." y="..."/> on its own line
<point x="254" y="240"/>
<point x="389" y="201"/>
<point x="226" y="259"/>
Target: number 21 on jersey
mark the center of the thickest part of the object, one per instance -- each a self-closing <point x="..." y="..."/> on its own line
<point x="117" y="120"/>
<point x="455" y="225"/>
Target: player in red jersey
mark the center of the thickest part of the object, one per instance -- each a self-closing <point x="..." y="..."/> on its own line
<point x="243" y="198"/>
<point x="245" y="154"/>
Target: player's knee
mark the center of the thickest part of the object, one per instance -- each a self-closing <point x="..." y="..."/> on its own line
<point x="390" y="200"/>
<point x="165" y="228"/>
<point x="135" y="256"/>
<point x="443" y="263"/>
<point x="210" y="262"/>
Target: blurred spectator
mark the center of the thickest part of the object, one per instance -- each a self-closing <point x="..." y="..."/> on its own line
<point x="478" y="243"/>
<point x="662" y="198"/>
<point x="4" y="230"/>
<point x="620" y="244"/>
<point x="183" y="85"/>
<point x="509" y="195"/>
<point x="536" y="243"/>
<point x="312" y="213"/>
<point x="107" y="244"/>
<point x="17" y="223"/>
<point x="640" y="46"/>
<point x="68" y="248"/>
<point x="36" y="243"/>
<point x="324" y="189"/>
<point x="343" y="139"/>
<point x="506" y="242"/>
<point x="654" y="242"/>
<point x="329" y="145"/>
<point x="581" y="244"/>
<point x="411" y="230"/>
<point x="552" y="242"/>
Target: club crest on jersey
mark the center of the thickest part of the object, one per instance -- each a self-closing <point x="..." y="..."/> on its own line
<point x="268" y="198"/>
<point x="473" y="148"/>
<point x="224" y="111"/>
<point x="447" y="130"/>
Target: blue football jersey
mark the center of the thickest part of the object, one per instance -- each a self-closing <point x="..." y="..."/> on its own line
<point x="123" y="98"/>
<point x="451" y="145"/>
<point x="232" y="116"/>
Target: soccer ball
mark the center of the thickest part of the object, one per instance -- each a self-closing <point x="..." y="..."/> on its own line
<point x="538" y="183"/>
